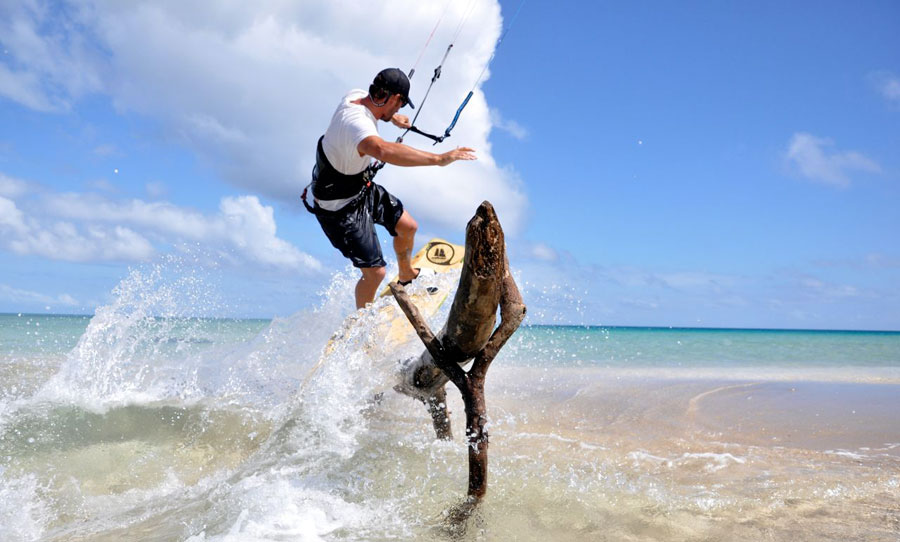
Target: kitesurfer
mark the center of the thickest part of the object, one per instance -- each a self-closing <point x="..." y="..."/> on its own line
<point x="347" y="203"/>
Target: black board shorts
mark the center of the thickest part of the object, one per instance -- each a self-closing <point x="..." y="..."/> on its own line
<point x="352" y="228"/>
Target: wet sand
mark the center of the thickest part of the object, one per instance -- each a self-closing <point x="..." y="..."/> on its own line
<point x="772" y="411"/>
<point x="613" y="455"/>
<point x="575" y="455"/>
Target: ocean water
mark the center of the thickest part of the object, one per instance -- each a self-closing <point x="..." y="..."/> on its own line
<point x="145" y="423"/>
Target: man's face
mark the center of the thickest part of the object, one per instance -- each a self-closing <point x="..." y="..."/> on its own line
<point x="394" y="103"/>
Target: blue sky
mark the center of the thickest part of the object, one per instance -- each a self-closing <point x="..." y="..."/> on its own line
<point x="686" y="164"/>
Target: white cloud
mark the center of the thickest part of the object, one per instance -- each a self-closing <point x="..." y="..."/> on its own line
<point x="888" y="85"/>
<point x="50" y="61"/>
<point x="251" y="86"/>
<point x="544" y="252"/>
<point x="17" y="295"/>
<point x="820" y="288"/>
<point x="243" y="228"/>
<point x="62" y="240"/>
<point x="11" y="187"/>
<point x="10" y="216"/>
<point x="575" y="292"/>
<point x="250" y="227"/>
<point x="814" y="159"/>
<point x="88" y="227"/>
<point x="509" y="126"/>
<point x="24" y="88"/>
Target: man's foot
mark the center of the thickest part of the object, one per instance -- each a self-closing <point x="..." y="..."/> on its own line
<point x="408" y="282"/>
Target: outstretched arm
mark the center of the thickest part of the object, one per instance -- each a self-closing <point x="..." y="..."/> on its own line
<point x="399" y="154"/>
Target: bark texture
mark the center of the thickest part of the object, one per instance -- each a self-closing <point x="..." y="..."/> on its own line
<point x="485" y="283"/>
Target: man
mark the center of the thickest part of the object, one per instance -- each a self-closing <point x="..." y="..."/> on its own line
<point x="347" y="204"/>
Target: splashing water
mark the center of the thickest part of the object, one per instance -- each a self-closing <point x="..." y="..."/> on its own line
<point x="151" y="411"/>
<point x="161" y="426"/>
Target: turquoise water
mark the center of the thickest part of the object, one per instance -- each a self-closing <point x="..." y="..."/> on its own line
<point x="695" y="347"/>
<point x="130" y="426"/>
<point x="586" y="346"/>
<point x="56" y="334"/>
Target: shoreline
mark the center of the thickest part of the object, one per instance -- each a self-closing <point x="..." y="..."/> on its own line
<point x="851" y="374"/>
<point x="717" y="406"/>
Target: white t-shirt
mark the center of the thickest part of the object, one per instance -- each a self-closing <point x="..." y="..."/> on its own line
<point x="350" y="124"/>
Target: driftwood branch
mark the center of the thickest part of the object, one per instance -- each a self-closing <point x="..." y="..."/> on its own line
<point x="485" y="283"/>
<point x="512" y="312"/>
<point x="453" y="371"/>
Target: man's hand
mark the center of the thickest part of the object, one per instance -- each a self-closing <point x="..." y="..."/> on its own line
<point x="459" y="153"/>
<point x="400" y="121"/>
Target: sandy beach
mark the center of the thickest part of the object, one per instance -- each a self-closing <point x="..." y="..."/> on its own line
<point x="688" y="458"/>
<point x="209" y="432"/>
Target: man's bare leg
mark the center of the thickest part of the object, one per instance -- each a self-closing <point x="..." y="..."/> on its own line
<point x="368" y="284"/>
<point x="403" y="246"/>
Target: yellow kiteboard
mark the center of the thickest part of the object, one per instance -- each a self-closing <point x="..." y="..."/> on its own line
<point x="436" y="257"/>
<point x="439" y="256"/>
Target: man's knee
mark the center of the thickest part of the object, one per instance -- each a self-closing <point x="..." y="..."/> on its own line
<point x="374" y="273"/>
<point x="407" y="225"/>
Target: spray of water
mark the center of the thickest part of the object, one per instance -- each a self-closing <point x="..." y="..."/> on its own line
<point x="212" y="431"/>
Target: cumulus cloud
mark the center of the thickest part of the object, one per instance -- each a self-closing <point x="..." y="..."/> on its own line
<point x="251" y="86"/>
<point x="815" y="159"/>
<point x="243" y="228"/>
<point x="61" y="240"/>
<point x="85" y="227"/>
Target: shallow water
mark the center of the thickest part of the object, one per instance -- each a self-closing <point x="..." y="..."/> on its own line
<point x="144" y="424"/>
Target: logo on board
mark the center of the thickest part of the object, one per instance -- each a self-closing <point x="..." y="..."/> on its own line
<point x="440" y="253"/>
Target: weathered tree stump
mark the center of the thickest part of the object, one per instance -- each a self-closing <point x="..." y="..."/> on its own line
<point x="469" y="334"/>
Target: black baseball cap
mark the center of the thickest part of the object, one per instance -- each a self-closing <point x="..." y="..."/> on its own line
<point x="394" y="81"/>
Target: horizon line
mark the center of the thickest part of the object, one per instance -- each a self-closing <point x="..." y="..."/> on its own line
<point x="584" y="326"/>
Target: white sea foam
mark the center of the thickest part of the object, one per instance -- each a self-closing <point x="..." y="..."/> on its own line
<point x="707" y="461"/>
<point x="847" y="454"/>
<point x="23" y="513"/>
<point x="126" y="357"/>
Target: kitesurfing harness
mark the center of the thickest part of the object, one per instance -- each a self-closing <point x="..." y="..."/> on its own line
<point x="330" y="184"/>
